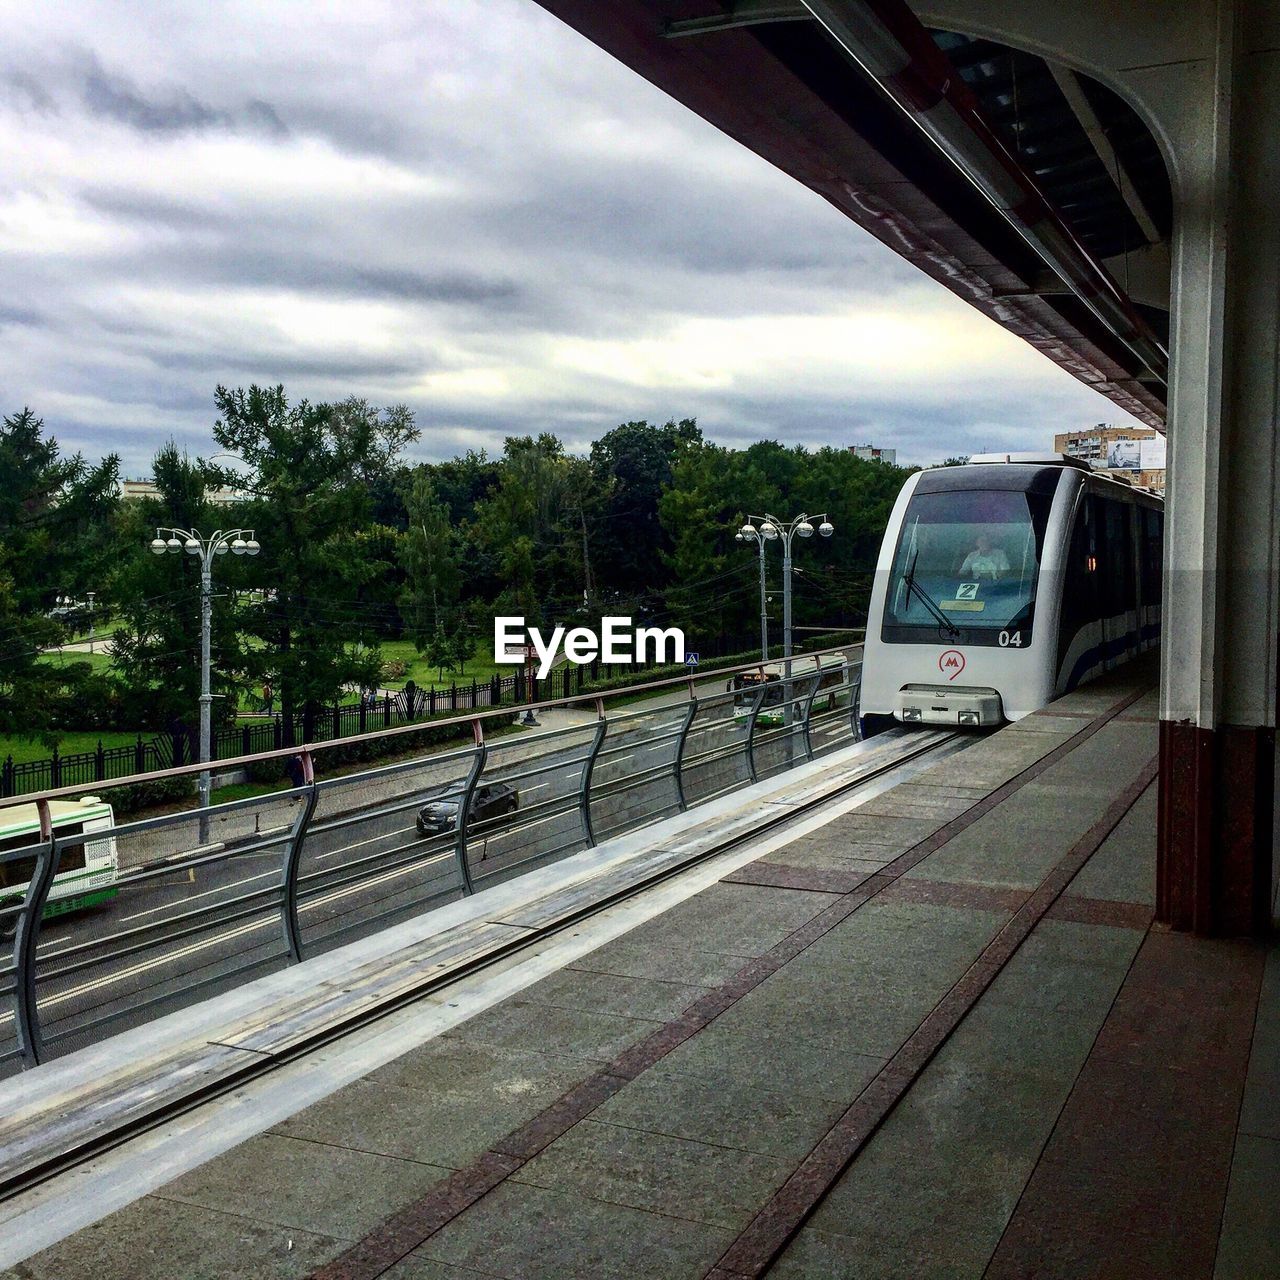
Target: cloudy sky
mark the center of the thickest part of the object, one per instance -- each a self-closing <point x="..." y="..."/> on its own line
<point x="458" y="205"/>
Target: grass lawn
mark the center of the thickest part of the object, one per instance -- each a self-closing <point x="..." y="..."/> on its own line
<point x="100" y="662"/>
<point x="23" y="749"/>
<point x="481" y="668"/>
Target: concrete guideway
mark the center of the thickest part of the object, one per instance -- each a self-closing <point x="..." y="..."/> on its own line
<point x="67" y="1110"/>
<point x="934" y="1035"/>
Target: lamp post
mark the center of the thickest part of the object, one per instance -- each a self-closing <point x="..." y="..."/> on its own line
<point x="69" y="603"/>
<point x="240" y="542"/>
<point x="768" y="528"/>
<point x="749" y="533"/>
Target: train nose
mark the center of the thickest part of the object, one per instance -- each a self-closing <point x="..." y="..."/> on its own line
<point x="973" y="707"/>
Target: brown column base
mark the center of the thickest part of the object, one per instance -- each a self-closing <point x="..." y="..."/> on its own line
<point x="1214" y="831"/>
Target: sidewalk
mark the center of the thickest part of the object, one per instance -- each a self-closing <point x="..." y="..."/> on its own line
<point x="935" y="1037"/>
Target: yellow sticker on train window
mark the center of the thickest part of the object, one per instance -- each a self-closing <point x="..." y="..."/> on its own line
<point x="964" y="606"/>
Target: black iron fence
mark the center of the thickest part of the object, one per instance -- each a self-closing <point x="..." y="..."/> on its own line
<point x="179" y="745"/>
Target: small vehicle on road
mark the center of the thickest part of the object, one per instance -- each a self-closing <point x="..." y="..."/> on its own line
<point x="86" y="867"/>
<point x="489" y="801"/>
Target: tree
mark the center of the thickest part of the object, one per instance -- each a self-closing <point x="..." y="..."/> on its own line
<point x="440" y="652"/>
<point x="430" y="558"/>
<point x="157" y="646"/>
<point x="633" y="466"/>
<point x="463" y="643"/>
<point x="309" y="468"/>
<point x="54" y="512"/>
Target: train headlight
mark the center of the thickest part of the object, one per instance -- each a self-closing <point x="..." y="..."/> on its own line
<point x="970" y="717"/>
<point x="912" y="715"/>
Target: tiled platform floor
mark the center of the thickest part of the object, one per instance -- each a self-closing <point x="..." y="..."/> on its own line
<point x="937" y="1037"/>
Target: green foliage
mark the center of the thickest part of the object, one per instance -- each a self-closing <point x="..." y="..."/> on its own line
<point x="308" y="468"/>
<point x="52" y="512"/>
<point x="633" y="465"/>
<point x="439" y="652"/>
<point x="157" y="645"/>
<point x="430" y="554"/>
<point x="715" y="587"/>
<point x="360" y="550"/>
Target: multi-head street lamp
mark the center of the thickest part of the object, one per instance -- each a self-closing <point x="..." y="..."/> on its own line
<point x="240" y="542"/>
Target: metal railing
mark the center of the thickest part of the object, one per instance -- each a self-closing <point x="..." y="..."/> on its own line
<point x="306" y="868"/>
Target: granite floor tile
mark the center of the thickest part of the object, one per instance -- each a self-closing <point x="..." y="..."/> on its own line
<point x="684" y="964"/>
<point x="631" y="997"/>
<point x="774" y="1062"/>
<point x="730" y="919"/>
<point x="448" y="1129"/>
<point x="520" y="1024"/>
<point x="526" y="1232"/>
<point x="874" y="1254"/>
<point x="309" y="1186"/>
<point x="672" y="1100"/>
<point x="155" y="1239"/>
<point x="659" y="1173"/>
<point x="453" y="1065"/>
<point x="1250" y="1241"/>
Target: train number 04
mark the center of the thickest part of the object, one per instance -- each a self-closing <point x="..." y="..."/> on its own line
<point x="1010" y="639"/>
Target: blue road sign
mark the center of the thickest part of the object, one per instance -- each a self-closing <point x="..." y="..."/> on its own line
<point x="690" y="659"/>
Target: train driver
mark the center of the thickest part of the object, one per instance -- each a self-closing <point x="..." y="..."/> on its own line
<point x="985" y="561"/>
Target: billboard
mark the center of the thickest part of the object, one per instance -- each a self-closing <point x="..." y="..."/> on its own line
<point x="1152" y="453"/>
<point x="1125" y="455"/>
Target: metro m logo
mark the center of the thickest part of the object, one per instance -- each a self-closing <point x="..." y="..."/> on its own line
<point x="951" y="663"/>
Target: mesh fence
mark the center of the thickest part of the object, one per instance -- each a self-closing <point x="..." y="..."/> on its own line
<point x="205" y="900"/>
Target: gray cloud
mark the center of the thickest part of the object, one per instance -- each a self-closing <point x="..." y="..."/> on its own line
<point x="22" y="90"/>
<point x="116" y="97"/>
<point x="465" y="207"/>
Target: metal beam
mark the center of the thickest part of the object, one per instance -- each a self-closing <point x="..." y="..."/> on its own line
<point x="746" y="13"/>
<point x="1069" y="83"/>
<point x="888" y="44"/>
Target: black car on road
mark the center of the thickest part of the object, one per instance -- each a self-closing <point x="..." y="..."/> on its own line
<point x="489" y="801"/>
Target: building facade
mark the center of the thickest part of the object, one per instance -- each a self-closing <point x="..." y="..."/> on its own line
<point x="872" y="454"/>
<point x="1135" y="452"/>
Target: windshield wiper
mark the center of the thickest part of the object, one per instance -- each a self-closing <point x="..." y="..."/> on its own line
<point x="927" y="600"/>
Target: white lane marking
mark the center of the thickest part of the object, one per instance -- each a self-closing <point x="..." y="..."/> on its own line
<point x="346" y="848"/>
<point x="528" y="825"/>
<point x="191" y="897"/>
<point x="226" y="935"/>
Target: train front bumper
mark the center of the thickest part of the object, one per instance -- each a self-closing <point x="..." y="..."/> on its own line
<point x="970" y="708"/>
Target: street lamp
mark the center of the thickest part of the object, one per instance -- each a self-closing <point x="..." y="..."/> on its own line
<point x="749" y="533"/>
<point x="69" y="603"/>
<point x="240" y="542"/>
<point x="768" y="528"/>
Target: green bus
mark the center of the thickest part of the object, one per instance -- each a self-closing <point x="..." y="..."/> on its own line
<point x="87" y="869"/>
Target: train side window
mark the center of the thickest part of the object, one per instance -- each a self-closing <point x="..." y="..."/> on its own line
<point x="1117" y="579"/>
<point x="1153" y="555"/>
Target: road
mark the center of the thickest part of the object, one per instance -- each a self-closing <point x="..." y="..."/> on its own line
<point x="176" y="935"/>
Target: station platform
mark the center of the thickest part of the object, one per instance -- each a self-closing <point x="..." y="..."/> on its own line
<point x="930" y="1034"/>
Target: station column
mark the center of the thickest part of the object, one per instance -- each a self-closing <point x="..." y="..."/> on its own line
<point x="1222" y="596"/>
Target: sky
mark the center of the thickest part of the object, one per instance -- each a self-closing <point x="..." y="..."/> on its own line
<point x="460" y="206"/>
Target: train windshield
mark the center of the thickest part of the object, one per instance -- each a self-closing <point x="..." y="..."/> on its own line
<point x="966" y="567"/>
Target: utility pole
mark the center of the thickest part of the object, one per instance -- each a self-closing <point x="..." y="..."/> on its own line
<point x="217" y="544"/>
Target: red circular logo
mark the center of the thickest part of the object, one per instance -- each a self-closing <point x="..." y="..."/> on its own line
<point x="951" y="663"/>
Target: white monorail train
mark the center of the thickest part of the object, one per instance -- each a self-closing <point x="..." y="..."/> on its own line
<point x="1005" y="583"/>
